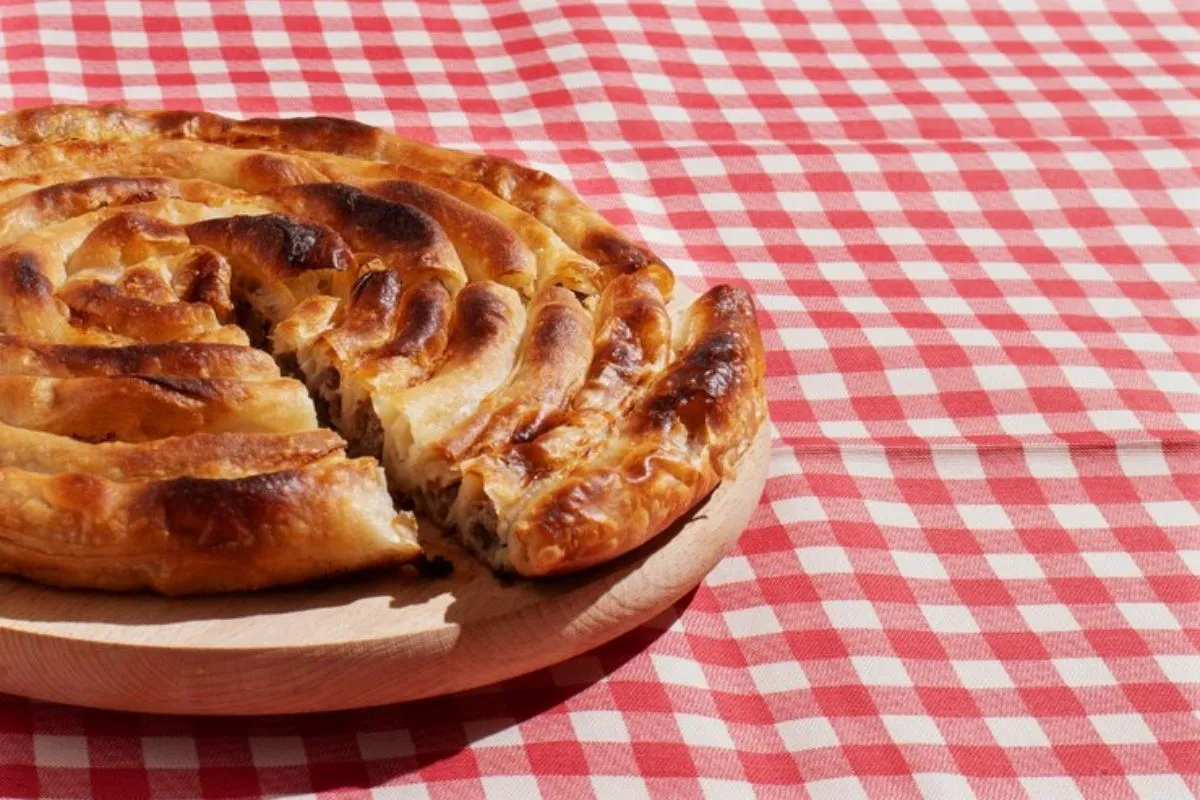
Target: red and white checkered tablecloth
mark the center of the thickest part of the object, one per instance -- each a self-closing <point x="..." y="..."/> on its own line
<point x="974" y="238"/>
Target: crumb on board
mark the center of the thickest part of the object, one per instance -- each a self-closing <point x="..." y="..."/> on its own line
<point x="434" y="567"/>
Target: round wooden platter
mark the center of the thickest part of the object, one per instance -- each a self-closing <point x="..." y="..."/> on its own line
<point x="352" y="643"/>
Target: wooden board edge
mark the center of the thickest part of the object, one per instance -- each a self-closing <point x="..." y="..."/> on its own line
<point x="246" y="681"/>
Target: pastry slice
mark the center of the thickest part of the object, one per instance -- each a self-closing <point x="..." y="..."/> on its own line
<point x="679" y="440"/>
<point x="484" y="335"/>
<point x="552" y="361"/>
<point x="631" y="345"/>
<point x="192" y="535"/>
<point x="389" y="337"/>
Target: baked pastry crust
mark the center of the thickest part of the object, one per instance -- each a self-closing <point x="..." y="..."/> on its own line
<point x="507" y="353"/>
<point x="185" y="534"/>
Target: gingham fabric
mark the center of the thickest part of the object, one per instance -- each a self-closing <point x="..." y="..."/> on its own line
<point x="973" y="238"/>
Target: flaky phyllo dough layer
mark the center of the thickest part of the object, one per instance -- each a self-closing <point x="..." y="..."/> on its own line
<point x="186" y="299"/>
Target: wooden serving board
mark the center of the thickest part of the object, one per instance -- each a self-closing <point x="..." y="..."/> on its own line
<point x="353" y="643"/>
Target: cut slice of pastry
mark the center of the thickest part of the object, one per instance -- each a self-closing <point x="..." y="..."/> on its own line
<point x="597" y="487"/>
<point x="678" y="441"/>
<point x="631" y="345"/>
<point x="485" y="331"/>
<point x="552" y="361"/>
<point x="188" y="535"/>
<point x="389" y="337"/>
<point x="184" y="298"/>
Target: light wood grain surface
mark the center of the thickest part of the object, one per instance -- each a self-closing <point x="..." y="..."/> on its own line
<point x="353" y="643"/>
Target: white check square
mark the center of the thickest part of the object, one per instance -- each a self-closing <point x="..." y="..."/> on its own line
<point x="1112" y="565"/>
<point x="919" y="565"/>
<point x="982" y="674"/>
<point x="781" y="676"/>
<point x="949" y="619"/>
<point x="757" y="621"/>
<point x="812" y="733"/>
<point x="1084" y="672"/>
<point x="599" y="726"/>
<point x="824" y="561"/>
<point x="1015" y="566"/>
<point x="701" y="731"/>
<point x="1149" y="616"/>
<point x="850" y="614"/>
<point x="1122" y="728"/>
<point x="61" y="751"/>
<point x="1048" y="618"/>
<point x="881" y="671"/>
<point x="1017" y="732"/>
<point x="912" y="729"/>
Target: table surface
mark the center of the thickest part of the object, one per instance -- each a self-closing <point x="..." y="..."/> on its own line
<point x="973" y="238"/>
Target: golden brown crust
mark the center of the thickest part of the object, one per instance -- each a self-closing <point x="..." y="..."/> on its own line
<point x="22" y="356"/>
<point x="396" y="355"/>
<point x="579" y="226"/>
<point x="262" y="172"/>
<point x="135" y="408"/>
<point x="374" y="304"/>
<point x="204" y="276"/>
<point x="532" y="191"/>
<point x="488" y="249"/>
<point x="557" y="264"/>
<point x="273" y="247"/>
<point x="423" y="321"/>
<point x="553" y="359"/>
<point x="485" y="332"/>
<point x="484" y="315"/>
<point x="714" y="388"/>
<point x="480" y="224"/>
<point x="632" y="344"/>
<point x="129" y="237"/>
<point x="407" y="240"/>
<point x="200" y="455"/>
<point x="276" y="261"/>
<point x="27" y="301"/>
<point x="63" y="201"/>
<point x="109" y="307"/>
